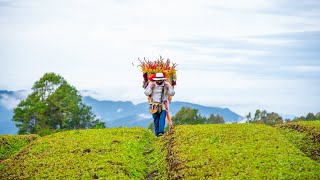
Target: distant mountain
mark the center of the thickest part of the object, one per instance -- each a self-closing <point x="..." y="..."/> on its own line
<point x="118" y="113"/>
<point x="110" y="110"/>
<point x="114" y="113"/>
<point x="6" y="92"/>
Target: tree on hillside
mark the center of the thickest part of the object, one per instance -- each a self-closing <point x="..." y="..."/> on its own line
<point x="248" y="117"/>
<point x="273" y="118"/>
<point x="310" y="117"/>
<point x="215" y="119"/>
<point x="187" y="115"/>
<point x="263" y="117"/>
<point x="257" y="115"/>
<point x="301" y="118"/>
<point x="53" y="104"/>
<point x="287" y="120"/>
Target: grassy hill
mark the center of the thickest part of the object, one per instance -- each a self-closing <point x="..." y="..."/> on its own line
<point x="238" y="150"/>
<point x="189" y="152"/>
<point x="304" y="135"/>
<point x="120" y="153"/>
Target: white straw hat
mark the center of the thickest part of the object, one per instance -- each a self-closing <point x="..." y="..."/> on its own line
<point x="159" y="76"/>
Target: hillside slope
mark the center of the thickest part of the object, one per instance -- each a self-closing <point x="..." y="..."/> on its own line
<point x="236" y="150"/>
<point x="305" y="135"/>
<point x="188" y="152"/>
<point x="120" y="153"/>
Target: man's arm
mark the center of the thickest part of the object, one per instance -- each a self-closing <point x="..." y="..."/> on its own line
<point x="149" y="89"/>
<point x="170" y="90"/>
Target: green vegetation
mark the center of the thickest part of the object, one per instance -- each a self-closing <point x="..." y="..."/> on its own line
<point x="53" y="104"/>
<point x="264" y="117"/>
<point x="271" y="119"/>
<point x="122" y="153"/>
<point x="236" y="151"/>
<point x="309" y="117"/>
<point x="211" y="151"/>
<point x="10" y="144"/>
<point x="187" y="115"/>
<point x="305" y="135"/>
<point x="310" y="125"/>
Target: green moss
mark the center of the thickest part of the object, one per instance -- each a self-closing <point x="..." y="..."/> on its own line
<point x="237" y="151"/>
<point x="85" y="154"/>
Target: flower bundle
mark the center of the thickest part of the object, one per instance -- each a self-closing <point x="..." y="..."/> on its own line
<point x="150" y="68"/>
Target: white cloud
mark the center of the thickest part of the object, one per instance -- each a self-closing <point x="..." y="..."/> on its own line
<point x="119" y="110"/>
<point x="92" y="44"/>
<point x="3" y="20"/>
<point x="145" y="116"/>
<point x="306" y="69"/>
<point x="98" y="117"/>
<point x="267" y="41"/>
<point x="90" y="93"/>
<point x="216" y="51"/>
<point x="9" y="102"/>
<point x="243" y="4"/>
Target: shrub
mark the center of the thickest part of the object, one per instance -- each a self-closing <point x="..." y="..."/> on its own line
<point x="236" y="151"/>
<point x="11" y="144"/>
<point x="305" y="135"/>
<point x="117" y="153"/>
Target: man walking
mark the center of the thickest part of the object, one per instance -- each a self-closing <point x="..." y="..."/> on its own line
<point x="159" y="89"/>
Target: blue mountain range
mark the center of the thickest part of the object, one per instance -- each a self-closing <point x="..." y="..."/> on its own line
<point x="114" y="113"/>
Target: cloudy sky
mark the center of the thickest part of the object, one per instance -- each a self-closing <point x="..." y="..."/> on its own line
<point x="243" y="55"/>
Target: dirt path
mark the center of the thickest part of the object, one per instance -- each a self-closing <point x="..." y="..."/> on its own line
<point x="174" y="164"/>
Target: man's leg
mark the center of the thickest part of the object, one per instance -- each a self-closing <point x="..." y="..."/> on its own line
<point x="156" y="123"/>
<point x="162" y="121"/>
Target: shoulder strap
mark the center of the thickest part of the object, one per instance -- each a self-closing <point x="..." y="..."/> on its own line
<point x="151" y="99"/>
<point x="162" y="94"/>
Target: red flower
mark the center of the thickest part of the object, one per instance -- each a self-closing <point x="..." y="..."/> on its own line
<point x="151" y="77"/>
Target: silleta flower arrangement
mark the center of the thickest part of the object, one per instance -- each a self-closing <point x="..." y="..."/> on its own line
<point x="150" y="68"/>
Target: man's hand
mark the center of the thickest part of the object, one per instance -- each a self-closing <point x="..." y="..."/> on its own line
<point x="166" y="86"/>
<point x="152" y="86"/>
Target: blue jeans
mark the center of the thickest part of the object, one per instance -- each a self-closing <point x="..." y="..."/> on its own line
<point x="159" y="122"/>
